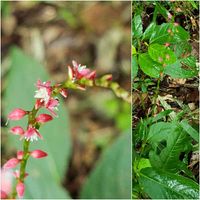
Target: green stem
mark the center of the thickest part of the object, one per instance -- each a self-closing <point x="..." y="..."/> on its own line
<point x="156" y="96"/>
<point x="26" y="144"/>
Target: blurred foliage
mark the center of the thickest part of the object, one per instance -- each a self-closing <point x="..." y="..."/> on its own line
<point x="112" y="176"/>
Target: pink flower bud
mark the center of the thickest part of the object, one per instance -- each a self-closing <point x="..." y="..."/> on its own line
<point x="17" y="114"/>
<point x="17" y="130"/>
<point x="63" y="92"/>
<point x="70" y="73"/>
<point x="38" y="154"/>
<point x="20" y="155"/>
<point x="42" y="118"/>
<point x="13" y="162"/>
<point x="4" y="195"/>
<point x="20" y="189"/>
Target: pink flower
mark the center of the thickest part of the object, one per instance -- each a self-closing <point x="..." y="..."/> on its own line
<point x="12" y="163"/>
<point x="38" y="154"/>
<point x="32" y="134"/>
<point x="4" y="195"/>
<point x="44" y="91"/>
<point x="17" y="114"/>
<point x="20" y="155"/>
<point x="52" y="106"/>
<point x="17" y="174"/>
<point x="78" y="72"/>
<point x="42" y="118"/>
<point x="63" y="92"/>
<point x="20" y="189"/>
<point x="6" y="183"/>
<point x="17" y="130"/>
<point x="39" y="103"/>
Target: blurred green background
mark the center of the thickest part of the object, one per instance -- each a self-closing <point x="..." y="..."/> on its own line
<point x="89" y="143"/>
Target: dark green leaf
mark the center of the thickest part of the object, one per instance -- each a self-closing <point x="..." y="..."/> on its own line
<point x="165" y="185"/>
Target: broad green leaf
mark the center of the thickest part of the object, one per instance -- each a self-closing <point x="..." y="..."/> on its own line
<point x="45" y="175"/>
<point x="190" y="130"/>
<point x="168" y="32"/>
<point x="148" y="66"/>
<point x="161" y="54"/>
<point x="160" y="34"/>
<point x="190" y="61"/>
<point x="148" y="32"/>
<point x="176" y="70"/>
<point x="160" y="131"/>
<point x="137" y="26"/>
<point x="168" y="141"/>
<point x="165" y="185"/>
<point x="182" y="48"/>
<point x="111" y="179"/>
<point x="134" y="70"/>
<point x="180" y="33"/>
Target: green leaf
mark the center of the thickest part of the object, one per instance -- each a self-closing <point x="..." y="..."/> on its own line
<point x="148" y="32"/>
<point x="190" y="130"/>
<point x="143" y="163"/>
<point x="45" y="175"/>
<point x="111" y="179"/>
<point x="182" y="48"/>
<point x="190" y="61"/>
<point x="180" y="33"/>
<point x="134" y="70"/>
<point x="168" y="141"/>
<point x="134" y="50"/>
<point x="137" y="26"/>
<point x="160" y="34"/>
<point x="168" y="32"/>
<point x="148" y="66"/>
<point x="175" y="70"/>
<point x="163" y="11"/>
<point x="161" y="54"/>
<point x="165" y="185"/>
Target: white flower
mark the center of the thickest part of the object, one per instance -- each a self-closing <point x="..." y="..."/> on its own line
<point x="42" y="93"/>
